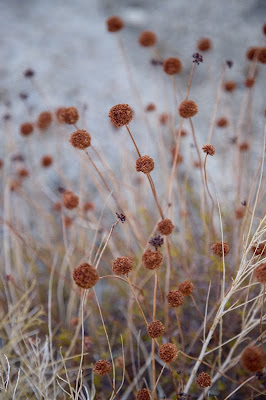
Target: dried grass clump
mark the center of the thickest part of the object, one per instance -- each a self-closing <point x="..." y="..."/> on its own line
<point x="156" y="329"/>
<point x="80" y="139"/>
<point x="253" y="359"/>
<point x="46" y="161"/>
<point x="172" y="66"/>
<point x="208" y="149"/>
<point x="165" y="227"/>
<point x="204" y="44"/>
<point x="143" y="394"/>
<point x="260" y="273"/>
<point x="122" y="265"/>
<point x="186" y="288"/>
<point x="120" y="115"/>
<point x="70" y="200"/>
<point x="175" y="298"/>
<point x="152" y="259"/>
<point x="85" y="276"/>
<point x="168" y="352"/>
<point x="204" y="380"/>
<point x="44" y="120"/>
<point x="69" y="115"/>
<point x="102" y="367"/>
<point x="114" y="24"/>
<point x="147" y="39"/>
<point x="188" y="109"/>
<point x="26" y="128"/>
<point x="219" y="247"/>
<point x="145" y="164"/>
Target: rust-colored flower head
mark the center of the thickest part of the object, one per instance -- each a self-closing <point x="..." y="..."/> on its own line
<point x="208" y="149"/>
<point x="102" y="367"/>
<point x="172" y="66"/>
<point x="253" y="359"/>
<point x="46" y="161"/>
<point x="26" y="128"/>
<point x="219" y="247"/>
<point x="121" y="115"/>
<point x="70" y="200"/>
<point x="204" y="44"/>
<point x="59" y="114"/>
<point x="164" y="118"/>
<point x="204" y="380"/>
<point x="252" y="53"/>
<point x="262" y="55"/>
<point x="168" y="352"/>
<point x="229" y="86"/>
<point x="88" y="206"/>
<point x="143" y="394"/>
<point x="197" y="164"/>
<point x="249" y="82"/>
<point x="186" y="288"/>
<point x="244" y="146"/>
<point x="240" y="212"/>
<point x="144" y="164"/>
<point x="85" y="276"/>
<point x="222" y="122"/>
<point x="165" y="227"/>
<point x="114" y="23"/>
<point x="260" y="273"/>
<point x="29" y="73"/>
<point x="156" y="329"/>
<point x="122" y="266"/>
<point x="69" y="115"/>
<point x="23" y="172"/>
<point x="175" y="298"/>
<point x="152" y="259"/>
<point x="150" y="107"/>
<point x="147" y="39"/>
<point x="80" y="139"/>
<point x="259" y="249"/>
<point x="44" y="120"/>
<point x="188" y="109"/>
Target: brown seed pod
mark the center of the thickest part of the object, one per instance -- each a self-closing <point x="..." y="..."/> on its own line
<point x="175" y="298"/>
<point x="150" y="107"/>
<point x="186" y="288"/>
<point x="197" y="164"/>
<point x="239" y="212"/>
<point x="244" y="146"/>
<point x="204" y="44"/>
<point x="114" y="24"/>
<point x="26" y="128"/>
<point x="165" y="227"/>
<point x="152" y="259"/>
<point x="144" y="164"/>
<point x="46" y="161"/>
<point x="164" y="118"/>
<point x="85" y="276"/>
<point x="249" y="82"/>
<point x="156" y="329"/>
<point x="168" y="352"/>
<point x="102" y="367"/>
<point x="68" y="221"/>
<point x="44" y="120"/>
<point x="143" y="394"/>
<point x="23" y="173"/>
<point x="204" y="380"/>
<point x="229" y="86"/>
<point x="259" y="249"/>
<point x="122" y="266"/>
<point x="70" y="115"/>
<point x="59" y="114"/>
<point x="88" y="206"/>
<point x="208" y="149"/>
<point x="147" y="39"/>
<point x="188" y="109"/>
<point x="252" y="53"/>
<point x="218" y="248"/>
<point x="70" y="200"/>
<point x="222" y="122"/>
<point x="253" y="359"/>
<point x="172" y="66"/>
<point x="260" y="273"/>
<point x="120" y="115"/>
<point x="80" y="139"/>
<point x="262" y="55"/>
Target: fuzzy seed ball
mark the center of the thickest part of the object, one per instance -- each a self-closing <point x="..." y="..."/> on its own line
<point x="252" y="53"/>
<point x="143" y="394"/>
<point x="172" y="66"/>
<point x="147" y="39"/>
<point x="204" y="44"/>
<point x="120" y="115"/>
<point x="26" y="129"/>
<point x="152" y="259"/>
<point x="156" y="329"/>
<point x="244" y="146"/>
<point x="80" y="139"/>
<point x="203" y="380"/>
<point x="165" y="227"/>
<point x="145" y="164"/>
<point x="168" y="352"/>
<point x="70" y="200"/>
<point x="249" y="82"/>
<point x="222" y="122"/>
<point x="23" y="173"/>
<point x="114" y="24"/>
<point x="59" y="114"/>
<point x="229" y="86"/>
<point x="88" y="206"/>
<point x="102" y="367"/>
<point x="253" y="359"/>
<point x="46" y="161"/>
<point x="260" y="273"/>
<point x="240" y="212"/>
<point x="188" y="109"/>
<point x="217" y="248"/>
<point x="122" y="266"/>
<point x="175" y="298"/>
<point x="150" y="107"/>
<point x="208" y="149"/>
<point x="186" y="288"/>
<point x="262" y="55"/>
<point x="70" y="115"/>
<point x="44" y="120"/>
<point x="259" y="249"/>
<point x="85" y="276"/>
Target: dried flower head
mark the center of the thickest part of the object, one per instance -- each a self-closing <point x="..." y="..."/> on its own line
<point x="253" y="359"/>
<point x="186" y="288"/>
<point x="165" y="227"/>
<point x="114" y="23"/>
<point x="144" y="164"/>
<point x="102" y="367"/>
<point x="179" y="158"/>
<point x="44" y="120"/>
<point x="156" y="329"/>
<point x="222" y="122"/>
<point x="259" y="249"/>
<point x="150" y="107"/>
<point x="172" y="66"/>
<point x="85" y="276"/>
<point x="152" y="259"/>
<point x="260" y="273"/>
<point x="249" y="82"/>
<point x="229" y="63"/>
<point x="69" y="115"/>
<point x="120" y="115"/>
<point x="208" y="149"/>
<point x="229" y="86"/>
<point x="168" y="352"/>
<point x="122" y="266"/>
<point x="239" y="212"/>
<point x="121" y="217"/>
<point x="188" y="109"/>
<point x="203" y="380"/>
<point x="164" y="118"/>
<point x="156" y="241"/>
<point x="29" y="73"/>
<point x="204" y="44"/>
<point x="143" y="394"/>
<point x="175" y="298"/>
<point x="57" y="206"/>
<point x="70" y="200"/>
<point x="23" y="172"/>
<point x="252" y="53"/>
<point x="244" y="146"/>
<point x="147" y="39"/>
<point x="46" y="161"/>
<point x="26" y="128"/>
<point x="219" y="248"/>
<point x="88" y="206"/>
<point x="59" y="114"/>
<point x="67" y="221"/>
<point x="262" y="55"/>
<point x="80" y="139"/>
<point x="197" y="58"/>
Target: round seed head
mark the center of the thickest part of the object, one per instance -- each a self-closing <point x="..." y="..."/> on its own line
<point x="143" y="394"/>
<point x="239" y="212"/>
<point x="186" y="288"/>
<point x="69" y="115"/>
<point x="68" y="221"/>
<point x="85" y="276"/>
<point x="164" y="118"/>
<point x="165" y="227"/>
<point x="244" y="146"/>
<point x="259" y="249"/>
<point x="156" y="329"/>
<point x="218" y="248"/>
<point x="188" y="109"/>
<point x="208" y="149"/>
<point x="70" y="200"/>
<point x="229" y="86"/>
<point x="44" y="120"/>
<point x="150" y="107"/>
<point x="114" y="23"/>
<point x="59" y="113"/>
<point x="120" y="115"/>
<point x="262" y="55"/>
<point x="23" y="173"/>
<point x="152" y="259"/>
<point x="204" y="44"/>
<point x="222" y="122"/>
<point x="147" y="39"/>
<point x="175" y="298"/>
<point x="144" y="164"/>
<point x="168" y="352"/>
<point x="252" y="53"/>
<point x="102" y="367"/>
<point x="204" y="380"/>
<point x="46" y="161"/>
<point x="253" y="359"/>
<point x="260" y="273"/>
<point x="122" y="266"/>
<point x="172" y="66"/>
<point x="249" y="82"/>
<point x="26" y="128"/>
<point x="80" y="139"/>
<point x="88" y="206"/>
